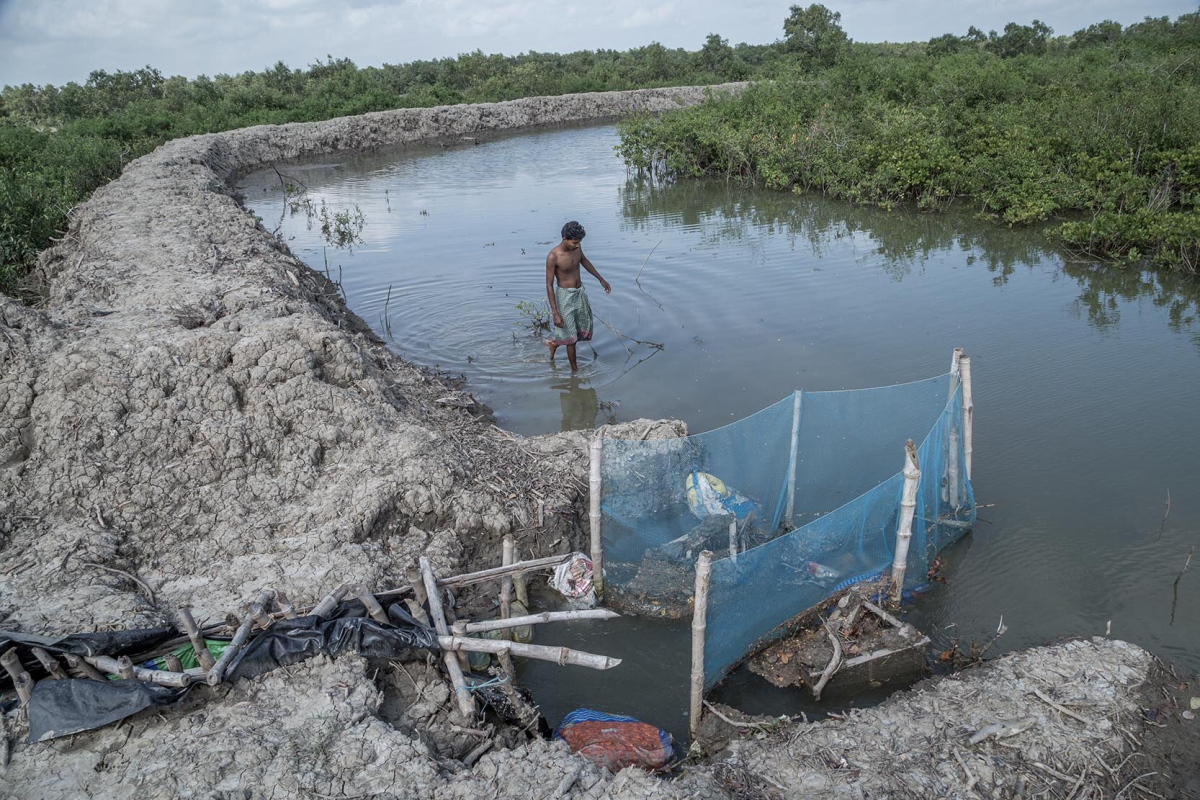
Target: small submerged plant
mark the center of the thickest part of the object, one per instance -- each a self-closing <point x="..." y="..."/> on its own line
<point x="341" y="228"/>
<point x="534" y="316"/>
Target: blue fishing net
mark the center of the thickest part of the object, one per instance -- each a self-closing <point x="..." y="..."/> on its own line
<point x="797" y="502"/>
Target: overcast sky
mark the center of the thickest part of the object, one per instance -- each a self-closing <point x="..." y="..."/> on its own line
<point x="55" y="41"/>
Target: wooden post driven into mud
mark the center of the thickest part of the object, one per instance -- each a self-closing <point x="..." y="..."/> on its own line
<point x="188" y="625"/>
<point x="791" y="490"/>
<point x="506" y="583"/>
<point x="699" y="624"/>
<point x="595" y="450"/>
<point x="968" y="402"/>
<point x="908" y="507"/>
<point x="950" y="493"/>
<point x="466" y="702"/>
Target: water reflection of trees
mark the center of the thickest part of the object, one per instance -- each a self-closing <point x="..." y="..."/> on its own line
<point x="900" y="241"/>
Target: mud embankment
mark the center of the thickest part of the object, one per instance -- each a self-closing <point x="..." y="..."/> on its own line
<point x="193" y="414"/>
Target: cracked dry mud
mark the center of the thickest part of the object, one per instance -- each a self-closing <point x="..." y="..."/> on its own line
<point x="193" y="406"/>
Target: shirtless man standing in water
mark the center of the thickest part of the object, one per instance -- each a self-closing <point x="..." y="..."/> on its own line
<point x="568" y="301"/>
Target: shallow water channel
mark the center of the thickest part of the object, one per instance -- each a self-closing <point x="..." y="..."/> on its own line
<point x="1087" y="378"/>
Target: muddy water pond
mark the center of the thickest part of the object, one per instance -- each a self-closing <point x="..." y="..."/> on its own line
<point x="1087" y="378"/>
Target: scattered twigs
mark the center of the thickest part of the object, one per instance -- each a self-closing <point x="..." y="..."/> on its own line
<point x="499" y="572"/>
<point x="1133" y="783"/>
<point x="188" y="625"/>
<point x="971" y="779"/>
<point x="1175" y="586"/>
<point x="534" y="619"/>
<point x="20" y="678"/>
<point x="834" y="663"/>
<point x="49" y="663"/>
<point x="558" y="655"/>
<point x="477" y="753"/>
<point x="217" y="673"/>
<point x="123" y="667"/>
<point x="466" y="703"/>
<point x="1063" y="709"/>
<point x="149" y="592"/>
<point x="756" y="725"/>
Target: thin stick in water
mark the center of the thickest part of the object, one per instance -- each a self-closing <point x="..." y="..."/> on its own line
<point x="638" y="279"/>
<point x="1175" y="586"/>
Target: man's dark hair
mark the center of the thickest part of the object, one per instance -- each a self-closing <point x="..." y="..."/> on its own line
<point x="573" y="230"/>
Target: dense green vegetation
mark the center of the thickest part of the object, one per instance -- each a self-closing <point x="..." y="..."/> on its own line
<point x="57" y="144"/>
<point x="1099" y="130"/>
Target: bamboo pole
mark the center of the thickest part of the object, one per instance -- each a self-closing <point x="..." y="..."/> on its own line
<point x="499" y="572"/>
<point x="82" y="668"/>
<point x="188" y="625"/>
<point x="330" y="601"/>
<point x="520" y="584"/>
<point x="595" y="487"/>
<point x="20" y="678"/>
<point x="791" y="490"/>
<point x="733" y="542"/>
<point x="369" y="602"/>
<point x="285" y="606"/>
<point x="559" y="655"/>
<point x="466" y="702"/>
<point x="968" y="402"/>
<point x="217" y="673"/>
<point x="534" y="619"/>
<point x="49" y="663"/>
<point x="699" y="623"/>
<point x="952" y="468"/>
<point x="173" y="663"/>
<point x="908" y="506"/>
<point x="123" y="667"/>
<point x="417" y="608"/>
<point x="506" y="584"/>
<point x="464" y="663"/>
<point x="955" y="371"/>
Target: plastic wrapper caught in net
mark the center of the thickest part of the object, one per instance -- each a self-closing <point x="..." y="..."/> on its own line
<point x="796" y="502"/>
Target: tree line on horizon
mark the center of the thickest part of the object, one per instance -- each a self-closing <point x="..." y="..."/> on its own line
<point x="59" y="143"/>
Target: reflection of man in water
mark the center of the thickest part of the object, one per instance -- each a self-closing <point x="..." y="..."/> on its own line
<point x="580" y="406"/>
<point x="568" y="302"/>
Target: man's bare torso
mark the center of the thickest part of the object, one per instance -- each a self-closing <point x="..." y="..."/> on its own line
<point x="566" y="266"/>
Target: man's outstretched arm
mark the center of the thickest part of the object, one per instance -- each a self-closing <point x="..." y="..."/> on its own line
<point x="550" y="290"/>
<point x="588" y="266"/>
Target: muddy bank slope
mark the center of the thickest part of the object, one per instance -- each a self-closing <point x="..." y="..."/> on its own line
<point x="193" y="414"/>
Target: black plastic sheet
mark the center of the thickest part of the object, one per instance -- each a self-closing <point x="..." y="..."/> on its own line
<point x="60" y="708"/>
<point x="107" y="643"/>
<point x="348" y="631"/>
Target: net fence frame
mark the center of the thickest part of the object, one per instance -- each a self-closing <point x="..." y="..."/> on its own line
<point x="908" y="487"/>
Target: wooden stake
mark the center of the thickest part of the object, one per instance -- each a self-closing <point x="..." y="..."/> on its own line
<point x="519" y="583"/>
<point x="952" y="468"/>
<point x="499" y="572"/>
<point x="733" y="543"/>
<point x="699" y="624"/>
<point x="506" y="585"/>
<point x="968" y="402"/>
<point x="217" y="673"/>
<point x="49" y="663"/>
<point x="908" y="505"/>
<point x="124" y="667"/>
<point x="330" y="601"/>
<point x="413" y="575"/>
<point x="559" y="655"/>
<point x="20" y="678"/>
<point x="955" y="371"/>
<point x="791" y="490"/>
<point x="534" y="619"/>
<point x="464" y="663"/>
<point x="466" y="702"/>
<point x="595" y="450"/>
<point x="189" y="626"/>
<point x="173" y="663"/>
<point x="370" y="603"/>
<point x="83" y="669"/>
<point x="285" y="606"/>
